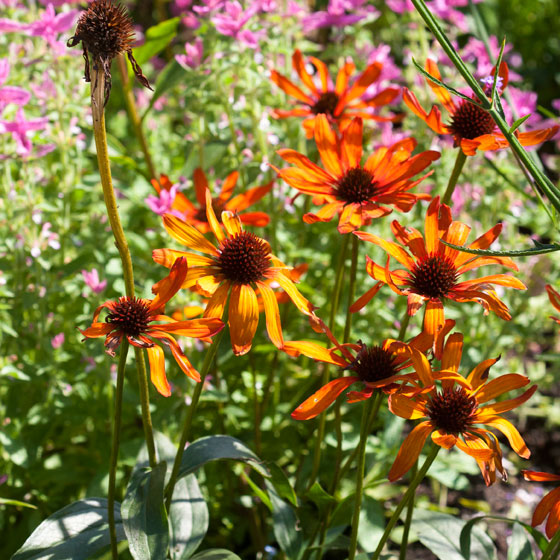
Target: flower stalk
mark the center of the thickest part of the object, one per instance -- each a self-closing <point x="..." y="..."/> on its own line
<point x="455" y="174"/>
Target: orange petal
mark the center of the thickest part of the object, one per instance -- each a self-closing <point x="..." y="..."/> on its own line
<point x="157" y="370"/>
<point x="431" y="227"/>
<point x="242" y="201"/>
<point x="165" y="289"/>
<point x="312" y="350"/>
<point x="362" y="301"/>
<point x="188" y="235"/>
<point x="538" y="476"/>
<point x="182" y="361"/>
<point x="410" y="450"/>
<point x="243" y="317"/>
<point x="299" y="66"/>
<point x="194" y="328"/>
<point x="290" y="88"/>
<point x="216" y="306"/>
<point x="290" y="288"/>
<point x="342" y="78"/>
<point x="553" y="296"/>
<point x="327" y="144"/>
<point x="364" y="80"/>
<point x="405" y="407"/>
<point x="510" y="431"/>
<point x="451" y="359"/>
<point x="544" y="506"/>
<point x="422" y="367"/>
<point x="434" y="319"/>
<point x="98" y="330"/>
<point x="352" y="143"/>
<point x="433" y="119"/>
<point x="510" y="404"/>
<point x="200" y="186"/>
<point x="498" y="279"/>
<point x="232" y="223"/>
<point x="212" y="220"/>
<point x="447" y="441"/>
<point x="324" y="397"/>
<point x="441" y="93"/>
<point x="228" y="186"/>
<point x="323" y="72"/>
<point x="270" y="303"/>
<point x="396" y="251"/>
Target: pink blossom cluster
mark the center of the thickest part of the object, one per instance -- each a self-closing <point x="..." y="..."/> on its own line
<point x="339" y="13"/>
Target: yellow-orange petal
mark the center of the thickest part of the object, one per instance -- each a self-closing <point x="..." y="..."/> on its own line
<point x="290" y="88"/>
<point x="441" y="93"/>
<point x="434" y="318"/>
<point x="327" y="144"/>
<point x="194" y="328"/>
<point x="410" y="450"/>
<point x="165" y="289"/>
<point x="323" y="398"/>
<point x="396" y="251"/>
<point x="443" y="439"/>
<point x="299" y="66"/>
<point x="364" y="80"/>
<point x="497" y="279"/>
<point x="433" y="119"/>
<point x="513" y="436"/>
<point x="539" y="476"/>
<point x="452" y="352"/>
<point x="243" y="317"/>
<point x="480" y="453"/>
<point x="242" y="201"/>
<point x="212" y="220"/>
<point x="324" y="214"/>
<point x="352" y="143"/>
<point x="499" y="385"/>
<point x="431" y="227"/>
<point x="232" y="223"/>
<point x="157" y="370"/>
<point x="290" y="288"/>
<point x="509" y="404"/>
<point x="273" y="325"/>
<point x="188" y="235"/>
<point x="405" y="407"/>
<point x="342" y="78"/>
<point x="422" y="367"/>
<point x="216" y="306"/>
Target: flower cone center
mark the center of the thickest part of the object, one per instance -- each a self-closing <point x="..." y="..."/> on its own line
<point x="326" y="103"/>
<point x="471" y="121"/>
<point x="373" y="364"/>
<point x="433" y="276"/>
<point x="130" y="315"/>
<point x="355" y="186"/>
<point x="244" y="258"/>
<point x="451" y="410"/>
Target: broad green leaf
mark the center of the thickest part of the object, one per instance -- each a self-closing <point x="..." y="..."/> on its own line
<point x="212" y="448"/>
<point x="520" y="546"/>
<point x="371" y="524"/>
<point x="320" y="497"/>
<point x="216" y="554"/>
<point x="75" y="532"/>
<point x="539" y="249"/>
<point x="188" y="518"/>
<point x="165" y="450"/>
<point x="157" y="38"/>
<point x="282" y="484"/>
<point x="285" y="525"/>
<point x="438" y="532"/>
<point x="144" y="516"/>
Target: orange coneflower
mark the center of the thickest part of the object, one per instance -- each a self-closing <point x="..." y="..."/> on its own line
<point x="433" y="269"/>
<point x="549" y="505"/>
<point x="132" y="318"/>
<point x="339" y="102"/>
<point x="196" y="215"/>
<point x="554" y="298"/>
<point x="238" y="267"/>
<point x="357" y="193"/>
<point x="375" y="367"/>
<point x="471" y="126"/>
<point x="455" y="413"/>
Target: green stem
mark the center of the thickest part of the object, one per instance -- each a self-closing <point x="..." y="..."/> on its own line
<point x="99" y="132"/>
<point x="133" y="115"/>
<point x="360" y="472"/>
<point x="554" y="541"/>
<point x="404" y="325"/>
<point x="408" y="520"/>
<point x="539" y="177"/>
<point x="455" y="174"/>
<point x="325" y="378"/>
<point x="115" y="449"/>
<point x="408" y="494"/>
<point x="187" y="425"/>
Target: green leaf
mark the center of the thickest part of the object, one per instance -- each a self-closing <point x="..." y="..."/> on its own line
<point x="428" y="76"/>
<point x="216" y="554"/>
<point x="520" y="546"/>
<point x="75" y="532"/>
<point x="157" y="38"/>
<point x="188" y="518"/>
<point x="260" y="493"/>
<point x="144" y="516"/>
<point x="282" y="484"/>
<point x="17" y="503"/>
<point x="539" y="249"/>
<point x="213" y="448"/>
<point x="172" y="74"/>
<point x="495" y="95"/>
<point x="438" y="532"/>
<point x="285" y="525"/>
<point x="166" y="451"/>
<point x="371" y="524"/>
<point x="518" y="123"/>
<point x="320" y="497"/>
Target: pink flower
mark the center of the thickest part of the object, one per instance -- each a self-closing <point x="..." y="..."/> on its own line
<point x="338" y="14"/>
<point x="193" y="58"/>
<point x="19" y="129"/>
<point x="162" y="203"/>
<point x="10" y="94"/>
<point x="231" y="23"/>
<point x="92" y="281"/>
<point x="51" y="24"/>
<point x="57" y="340"/>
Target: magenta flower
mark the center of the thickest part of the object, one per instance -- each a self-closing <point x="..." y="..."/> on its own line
<point x="92" y="281"/>
<point x="57" y="340"/>
<point x="19" y="129"/>
<point x="232" y="21"/>
<point x="193" y="57"/>
<point x="10" y="94"/>
<point x="338" y="14"/>
<point x="51" y="25"/>
<point x="163" y="202"/>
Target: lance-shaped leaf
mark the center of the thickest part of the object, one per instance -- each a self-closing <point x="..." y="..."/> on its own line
<point x="538" y="249"/>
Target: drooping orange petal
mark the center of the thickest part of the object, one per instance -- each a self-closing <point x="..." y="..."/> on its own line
<point x="480" y="452"/>
<point x="434" y="318"/>
<point x="447" y="441"/>
<point x="553" y="523"/>
<point x="362" y="301"/>
<point x="538" y="476"/>
<point x="510" y="431"/>
<point x="212" y="220"/>
<point x="313" y="350"/>
<point x="290" y="288"/>
<point x="327" y="144"/>
<point x="510" y="404"/>
<point x="188" y="235"/>
<point x="342" y="77"/>
<point x="324" y="214"/>
<point x="451" y="359"/>
<point x="290" y="88"/>
<point x="242" y="201"/>
<point x="544" y="507"/>
<point x="316" y="173"/>
<point x="243" y="317"/>
<point x="157" y="370"/>
<point x="228" y="186"/>
<point x="396" y="251"/>
<point x="500" y="385"/>
<point x="165" y="289"/>
<point x="410" y="450"/>
<point x="422" y="367"/>
<point x="323" y="398"/>
<point x="270" y="303"/>
<point x="182" y="361"/>
<point x="405" y="407"/>
<point x="97" y="330"/>
<point x="441" y="93"/>
<point x="553" y="296"/>
<point x="497" y="279"/>
<point x="433" y="119"/>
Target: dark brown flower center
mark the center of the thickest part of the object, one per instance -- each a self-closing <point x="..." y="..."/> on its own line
<point x="131" y="315"/>
<point x="471" y="121"/>
<point x="326" y="104"/>
<point x="217" y="206"/>
<point x="356" y="185"/>
<point x="244" y="258"/>
<point x="433" y="276"/>
<point x="451" y="410"/>
<point x="373" y="363"/>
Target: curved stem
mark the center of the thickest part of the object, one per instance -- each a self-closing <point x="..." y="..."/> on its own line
<point x="452" y="183"/>
<point x="187" y="425"/>
<point x="404" y="325"/>
<point x="360" y="472"/>
<point x="98" y="114"/>
<point x="554" y="542"/>
<point x="133" y="115"/>
<point x="408" y="520"/>
<point x="408" y="494"/>
<point x="115" y="449"/>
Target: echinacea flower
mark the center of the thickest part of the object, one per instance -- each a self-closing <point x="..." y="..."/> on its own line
<point x="183" y="208"/>
<point x="373" y="366"/>
<point x="358" y="193"/>
<point x="432" y="269"/>
<point x="105" y="31"/>
<point x="549" y="505"/>
<point x="132" y="318"/>
<point x="456" y="412"/>
<point x="236" y="269"/>
<point x="471" y="126"/>
<point x="339" y="102"/>
<point x="554" y="298"/>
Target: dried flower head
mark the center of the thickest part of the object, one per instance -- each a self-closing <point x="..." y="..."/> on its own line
<point x="105" y="31"/>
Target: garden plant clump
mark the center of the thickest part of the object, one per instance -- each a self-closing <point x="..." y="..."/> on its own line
<point x="279" y="279"/>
